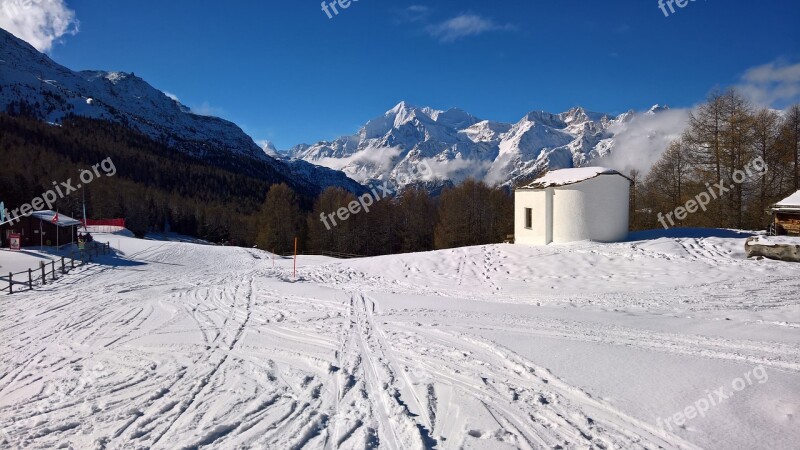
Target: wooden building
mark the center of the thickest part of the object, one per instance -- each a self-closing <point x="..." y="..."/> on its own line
<point x="39" y="229"/>
<point x="786" y="216"/>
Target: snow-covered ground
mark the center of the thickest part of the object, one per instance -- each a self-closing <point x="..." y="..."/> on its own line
<point x="30" y="258"/>
<point x="180" y="345"/>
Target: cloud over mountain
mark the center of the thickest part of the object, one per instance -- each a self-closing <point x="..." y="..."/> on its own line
<point x="41" y="23"/>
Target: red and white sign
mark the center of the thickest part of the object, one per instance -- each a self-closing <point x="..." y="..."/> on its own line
<point x="14" y="242"/>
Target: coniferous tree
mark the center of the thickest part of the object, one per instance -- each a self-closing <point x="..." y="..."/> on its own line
<point x="280" y="221"/>
<point x="417" y="216"/>
<point x="473" y="214"/>
<point x="326" y="232"/>
<point x="704" y="136"/>
<point x="790" y="145"/>
<point x="745" y="156"/>
<point x="668" y="184"/>
<point x="766" y="132"/>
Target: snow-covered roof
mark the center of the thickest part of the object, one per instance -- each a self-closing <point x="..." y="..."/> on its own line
<point x="63" y="221"/>
<point x="791" y="202"/>
<point x="772" y="241"/>
<point x="564" y="177"/>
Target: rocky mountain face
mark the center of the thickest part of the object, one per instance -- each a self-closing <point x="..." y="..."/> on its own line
<point x="405" y="146"/>
<point x="455" y="145"/>
<point x="34" y="85"/>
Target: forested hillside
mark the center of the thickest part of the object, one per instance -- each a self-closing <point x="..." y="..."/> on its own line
<point x="215" y="198"/>
<point x="739" y="157"/>
<point x="754" y="154"/>
<point x="226" y="199"/>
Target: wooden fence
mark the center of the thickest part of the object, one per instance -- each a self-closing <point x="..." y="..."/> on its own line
<point x="49" y="272"/>
<point x="102" y="229"/>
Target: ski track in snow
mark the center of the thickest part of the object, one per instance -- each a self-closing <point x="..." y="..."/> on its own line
<point x="195" y="346"/>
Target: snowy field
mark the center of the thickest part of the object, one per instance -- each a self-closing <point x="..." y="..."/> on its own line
<point x="180" y="345"/>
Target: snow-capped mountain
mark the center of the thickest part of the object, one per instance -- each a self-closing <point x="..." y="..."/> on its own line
<point x="456" y="145"/>
<point x="30" y="78"/>
<point x="33" y="84"/>
<point x="406" y="145"/>
<point x="270" y="149"/>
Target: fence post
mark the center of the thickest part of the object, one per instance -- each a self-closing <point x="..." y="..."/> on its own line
<point x="53" y="266"/>
<point x="10" y="283"/>
<point x="44" y="278"/>
<point x="63" y="267"/>
<point x="30" y="279"/>
<point x="71" y="261"/>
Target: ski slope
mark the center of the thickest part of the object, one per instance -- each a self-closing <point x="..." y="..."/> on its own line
<point x="180" y="345"/>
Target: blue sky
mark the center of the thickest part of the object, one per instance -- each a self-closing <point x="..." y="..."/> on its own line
<point x="284" y="71"/>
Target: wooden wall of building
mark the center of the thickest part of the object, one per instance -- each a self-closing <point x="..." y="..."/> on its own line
<point x="787" y="223"/>
<point x="28" y="227"/>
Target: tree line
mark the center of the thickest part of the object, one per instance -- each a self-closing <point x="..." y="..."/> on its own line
<point x="470" y="214"/>
<point x="155" y="188"/>
<point x="726" y="137"/>
<point x="224" y="199"/>
<point x="246" y="202"/>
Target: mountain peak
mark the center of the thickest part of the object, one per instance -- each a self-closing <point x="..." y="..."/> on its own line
<point x="270" y="149"/>
<point x="401" y="107"/>
<point x="457" y="145"/>
<point x="455" y="118"/>
<point x="575" y="115"/>
<point x="55" y="92"/>
<point x="657" y="109"/>
<point x="545" y="118"/>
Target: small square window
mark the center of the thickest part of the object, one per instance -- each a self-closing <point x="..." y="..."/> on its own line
<point x="528" y="218"/>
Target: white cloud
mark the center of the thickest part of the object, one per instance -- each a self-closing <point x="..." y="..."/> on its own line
<point x="775" y="85"/>
<point x="361" y="165"/>
<point x="38" y="22"/>
<point x="464" y="25"/>
<point x="205" y="109"/>
<point x="639" y="143"/>
<point x="457" y="169"/>
<point x="172" y="96"/>
<point x="413" y="13"/>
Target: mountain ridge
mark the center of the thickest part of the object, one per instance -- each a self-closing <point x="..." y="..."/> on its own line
<point x="34" y="85"/>
<point x="389" y="148"/>
<point x="459" y="145"/>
